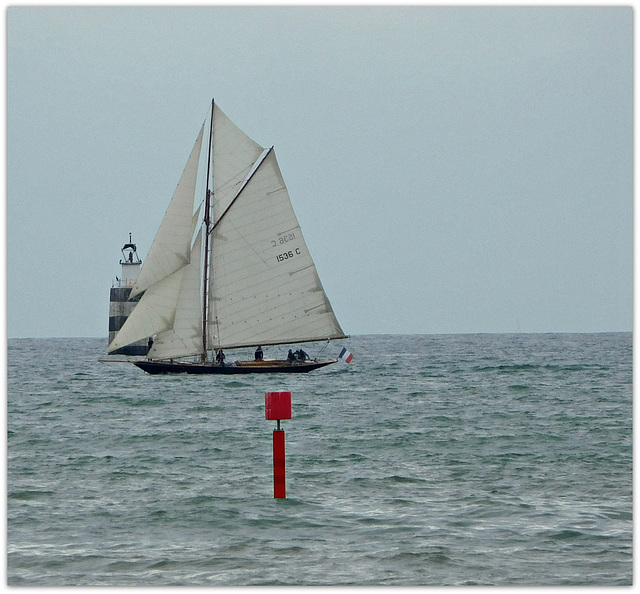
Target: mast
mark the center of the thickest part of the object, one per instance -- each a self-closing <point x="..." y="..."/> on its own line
<point x="207" y="224"/>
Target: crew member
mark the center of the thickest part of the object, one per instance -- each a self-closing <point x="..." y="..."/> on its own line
<point x="301" y="355"/>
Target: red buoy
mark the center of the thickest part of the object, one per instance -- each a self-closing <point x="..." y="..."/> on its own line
<point x="278" y="407"/>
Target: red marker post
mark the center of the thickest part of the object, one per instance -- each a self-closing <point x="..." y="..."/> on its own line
<point x="278" y="407"/>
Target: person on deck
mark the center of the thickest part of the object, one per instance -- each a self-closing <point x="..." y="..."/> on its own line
<point x="220" y="357"/>
<point x="259" y="354"/>
<point x="291" y="357"/>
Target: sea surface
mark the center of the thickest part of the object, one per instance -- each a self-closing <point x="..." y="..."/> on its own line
<point x="429" y="460"/>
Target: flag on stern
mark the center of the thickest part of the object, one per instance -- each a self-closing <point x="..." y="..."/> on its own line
<point x="346" y="355"/>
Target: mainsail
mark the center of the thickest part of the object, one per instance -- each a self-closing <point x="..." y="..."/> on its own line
<point x="255" y="274"/>
<point x="264" y="288"/>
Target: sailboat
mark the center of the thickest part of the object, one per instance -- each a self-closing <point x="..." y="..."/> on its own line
<point x="229" y="269"/>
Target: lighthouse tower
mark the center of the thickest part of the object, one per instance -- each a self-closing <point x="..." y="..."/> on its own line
<point x="120" y="307"/>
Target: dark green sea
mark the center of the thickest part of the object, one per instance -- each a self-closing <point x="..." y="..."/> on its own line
<point x="500" y="460"/>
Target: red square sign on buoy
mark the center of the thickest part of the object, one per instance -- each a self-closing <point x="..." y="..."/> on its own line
<point x="277" y="405"/>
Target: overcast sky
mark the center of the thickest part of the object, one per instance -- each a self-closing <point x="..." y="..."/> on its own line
<point x="453" y="169"/>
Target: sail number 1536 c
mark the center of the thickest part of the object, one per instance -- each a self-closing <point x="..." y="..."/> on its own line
<point x="287" y="255"/>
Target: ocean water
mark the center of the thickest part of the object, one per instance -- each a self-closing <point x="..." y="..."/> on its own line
<point x="429" y="460"/>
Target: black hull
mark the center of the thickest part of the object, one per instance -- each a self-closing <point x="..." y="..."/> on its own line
<point x="158" y="367"/>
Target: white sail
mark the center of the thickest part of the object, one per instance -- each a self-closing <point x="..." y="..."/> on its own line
<point x="233" y="155"/>
<point x="154" y="313"/>
<point x="171" y="246"/>
<point x="264" y="288"/>
<point x="184" y="338"/>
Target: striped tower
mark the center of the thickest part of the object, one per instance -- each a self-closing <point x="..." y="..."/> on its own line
<point x="120" y="307"/>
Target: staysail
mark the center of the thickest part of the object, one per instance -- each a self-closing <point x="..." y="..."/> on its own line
<point x="171" y="310"/>
<point x="255" y="274"/>
<point x="154" y="313"/>
<point x="184" y="337"/>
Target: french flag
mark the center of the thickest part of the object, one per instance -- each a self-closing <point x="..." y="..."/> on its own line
<point x="346" y="355"/>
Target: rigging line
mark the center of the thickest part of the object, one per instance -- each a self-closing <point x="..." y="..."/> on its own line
<point x="324" y="348"/>
<point x="229" y="184"/>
